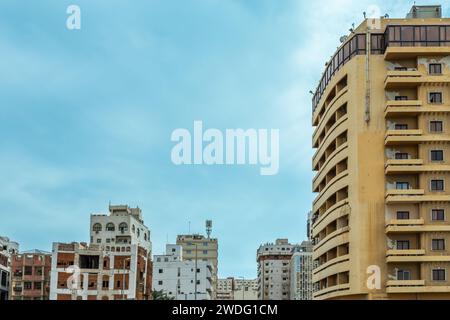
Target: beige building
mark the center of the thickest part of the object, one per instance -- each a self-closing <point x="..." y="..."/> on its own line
<point x="237" y="289"/>
<point x="381" y="218"/>
<point x="274" y="270"/>
<point x="203" y="249"/>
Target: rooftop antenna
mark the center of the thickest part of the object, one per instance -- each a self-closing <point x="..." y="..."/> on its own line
<point x="208" y="227"/>
<point x="364" y="14"/>
<point x="189" y="228"/>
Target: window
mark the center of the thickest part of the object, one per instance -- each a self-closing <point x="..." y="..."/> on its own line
<point x="436" y="126"/>
<point x="437" y="185"/>
<point x="437" y="155"/>
<point x="38" y="271"/>
<point x="401" y="98"/>
<point x="403" y="245"/>
<point x="37" y="285"/>
<point x="160" y="270"/>
<point x="27" y="285"/>
<point x="99" y="240"/>
<point x="110" y="227"/>
<point x="133" y="228"/>
<point x="435" y="97"/>
<point x="435" y="68"/>
<point x="438" y="214"/>
<point x="160" y="283"/>
<point x="401" y="69"/>
<point x="97" y="227"/>
<point x="123" y="227"/>
<point x="402" y="185"/>
<point x="402" y="215"/>
<point x="108" y="240"/>
<point x="403" y="275"/>
<point x="205" y="251"/>
<point x="105" y="284"/>
<point x="438" y="275"/>
<point x="401" y="126"/>
<point x="401" y="156"/>
<point x="28" y="270"/>
<point x="438" y="244"/>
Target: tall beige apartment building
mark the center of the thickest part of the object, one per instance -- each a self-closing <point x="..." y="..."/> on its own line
<point x="381" y="218"/>
<point x="201" y="248"/>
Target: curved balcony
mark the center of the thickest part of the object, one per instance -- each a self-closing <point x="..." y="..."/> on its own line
<point x="339" y="182"/>
<point x="335" y="269"/>
<point x="338" y="128"/>
<point x="339" y="239"/>
<point x="332" y="292"/>
<point x="335" y="212"/>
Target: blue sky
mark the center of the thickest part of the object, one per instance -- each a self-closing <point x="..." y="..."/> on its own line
<point x="86" y="115"/>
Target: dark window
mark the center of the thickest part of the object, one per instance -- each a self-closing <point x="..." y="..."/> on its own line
<point x="438" y="244"/>
<point x="437" y="155"/>
<point x="436" y="126"/>
<point x="438" y="275"/>
<point x="27" y="285"/>
<point x="403" y="275"/>
<point x="437" y="185"/>
<point x="438" y="214"/>
<point x="401" y="126"/>
<point x="160" y="270"/>
<point x="402" y="215"/>
<point x="89" y="262"/>
<point x="401" y="68"/>
<point x="28" y="270"/>
<point x="401" y="98"/>
<point x="403" y="245"/>
<point x="38" y="271"/>
<point x="160" y="283"/>
<point x="401" y="156"/>
<point x="37" y="285"/>
<point x="402" y="185"/>
<point x="435" y="97"/>
<point x="435" y="68"/>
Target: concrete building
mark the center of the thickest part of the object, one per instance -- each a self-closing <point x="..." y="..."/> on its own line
<point x="123" y="225"/>
<point x="92" y="272"/>
<point x="203" y="249"/>
<point x="115" y="265"/>
<point x="182" y="279"/>
<point x="7" y="249"/>
<point x="237" y="289"/>
<point x="30" y="275"/>
<point x="382" y="118"/>
<point x="274" y="270"/>
<point x="301" y="268"/>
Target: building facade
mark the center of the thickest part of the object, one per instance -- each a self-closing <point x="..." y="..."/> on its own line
<point x="7" y="249"/>
<point x="237" y="289"/>
<point x="382" y="118"/>
<point x="274" y="270"/>
<point x="302" y="266"/>
<point x="198" y="247"/>
<point x="182" y="279"/>
<point x="30" y="275"/>
<point x="116" y="265"/>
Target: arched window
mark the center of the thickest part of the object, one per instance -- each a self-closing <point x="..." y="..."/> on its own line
<point x="123" y="227"/>
<point x="110" y="227"/>
<point x="145" y="236"/>
<point x="133" y="228"/>
<point x="97" y="227"/>
<point x="138" y="232"/>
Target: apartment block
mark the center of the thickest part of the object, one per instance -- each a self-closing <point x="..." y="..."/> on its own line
<point x="182" y="279"/>
<point x="7" y="249"/>
<point x="201" y="248"/>
<point x="274" y="270"/>
<point x="123" y="225"/>
<point x="381" y="115"/>
<point x="301" y="268"/>
<point x="116" y="265"/>
<point x="30" y="275"/>
<point x="83" y="271"/>
<point x="237" y="289"/>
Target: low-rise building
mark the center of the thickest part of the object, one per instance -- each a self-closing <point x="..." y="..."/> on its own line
<point x="7" y="249"/>
<point x="237" y="289"/>
<point x="30" y="275"/>
<point x="182" y="279"/>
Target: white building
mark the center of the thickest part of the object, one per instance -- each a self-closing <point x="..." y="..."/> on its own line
<point x="302" y="266"/>
<point x="181" y="279"/>
<point x="7" y="248"/>
<point x="274" y="270"/>
<point x="237" y="289"/>
<point x="123" y="225"/>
